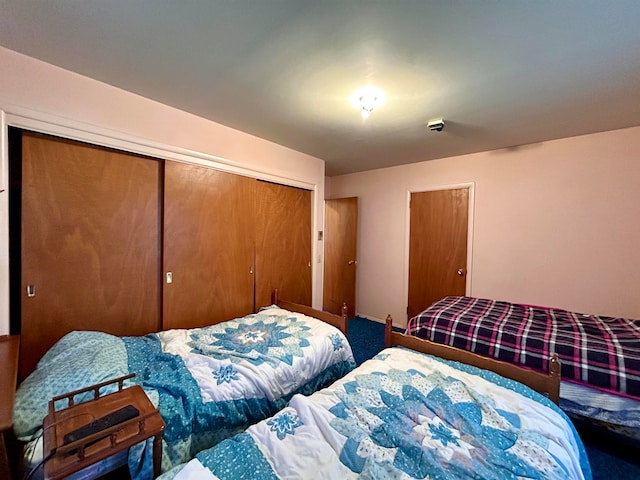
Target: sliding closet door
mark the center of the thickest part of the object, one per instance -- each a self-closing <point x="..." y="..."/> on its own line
<point x="89" y="243"/>
<point x="283" y="243"/>
<point x="208" y="246"/>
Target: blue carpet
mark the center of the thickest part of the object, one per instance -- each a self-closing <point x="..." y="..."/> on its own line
<point x="366" y="338"/>
<point x="610" y="457"/>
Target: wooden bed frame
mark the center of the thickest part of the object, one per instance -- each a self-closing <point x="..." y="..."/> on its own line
<point x="339" y="321"/>
<point x="548" y="384"/>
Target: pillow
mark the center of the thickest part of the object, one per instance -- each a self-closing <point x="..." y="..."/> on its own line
<point x="77" y="360"/>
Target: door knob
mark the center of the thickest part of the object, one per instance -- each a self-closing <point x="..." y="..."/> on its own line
<point x="460" y="272"/>
<point x="353" y="262"/>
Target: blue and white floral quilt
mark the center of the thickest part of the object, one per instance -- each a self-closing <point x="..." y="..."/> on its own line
<point x="404" y="415"/>
<point x="209" y="383"/>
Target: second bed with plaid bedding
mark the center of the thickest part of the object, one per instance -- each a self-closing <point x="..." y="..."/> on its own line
<point x="599" y="351"/>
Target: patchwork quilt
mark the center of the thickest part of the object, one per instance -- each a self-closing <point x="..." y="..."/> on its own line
<point x="599" y="351"/>
<point x="209" y="383"/>
<point x="404" y="415"/>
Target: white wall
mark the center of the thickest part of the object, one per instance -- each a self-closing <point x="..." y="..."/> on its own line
<point x="556" y="223"/>
<point x="39" y="96"/>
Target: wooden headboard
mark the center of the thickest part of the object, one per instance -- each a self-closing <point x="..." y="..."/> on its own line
<point x="548" y="384"/>
<point x="339" y="321"/>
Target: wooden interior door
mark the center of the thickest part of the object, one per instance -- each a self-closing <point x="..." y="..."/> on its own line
<point x="89" y="243"/>
<point x="283" y="243"/>
<point x="340" y="254"/>
<point x="208" y="245"/>
<point x="437" y="246"/>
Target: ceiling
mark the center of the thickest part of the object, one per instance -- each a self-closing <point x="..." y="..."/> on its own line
<point x="500" y="73"/>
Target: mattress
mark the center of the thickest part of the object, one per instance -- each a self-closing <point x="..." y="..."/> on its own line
<point x="598" y="351"/>
<point x="399" y="415"/>
<point x="209" y="383"/>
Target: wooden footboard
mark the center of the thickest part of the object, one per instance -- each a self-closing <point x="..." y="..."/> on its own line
<point x="548" y="384"/>
<point x="339" y="321"/>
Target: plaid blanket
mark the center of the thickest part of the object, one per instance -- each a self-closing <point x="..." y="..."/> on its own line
<point x="599" y="351"/>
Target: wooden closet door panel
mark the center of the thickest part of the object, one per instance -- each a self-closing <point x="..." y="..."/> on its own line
<point x="208" y="245"/>
<point x="90" y="242"/>
<point x="283" y="243"/>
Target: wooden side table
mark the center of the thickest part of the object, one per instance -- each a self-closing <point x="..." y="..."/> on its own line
<point x="9" y="354"/>
<point x="87" y="452"/>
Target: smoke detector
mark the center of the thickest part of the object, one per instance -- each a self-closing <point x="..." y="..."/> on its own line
<point x="436" y="125"/>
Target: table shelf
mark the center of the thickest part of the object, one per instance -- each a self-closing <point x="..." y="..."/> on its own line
<point x="82" y="454"/>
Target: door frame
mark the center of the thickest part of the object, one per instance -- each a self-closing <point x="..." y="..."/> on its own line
<point x="407" y="232"/>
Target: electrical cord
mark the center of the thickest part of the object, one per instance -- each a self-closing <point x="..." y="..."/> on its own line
<point x="39" y="464"/>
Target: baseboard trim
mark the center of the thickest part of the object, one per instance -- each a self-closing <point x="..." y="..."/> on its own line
<point x="379" y="320"/>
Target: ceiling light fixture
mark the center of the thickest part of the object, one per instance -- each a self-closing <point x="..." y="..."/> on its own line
<point x="366" y="99"/>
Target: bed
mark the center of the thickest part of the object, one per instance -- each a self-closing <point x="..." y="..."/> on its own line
<point x="600" y="355"/>
<point x="208" y="383"/>
<point x="409" y="414"/>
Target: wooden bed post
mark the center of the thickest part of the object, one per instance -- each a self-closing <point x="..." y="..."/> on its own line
<point x="554" y="372"/>
<point x="387" y="331"/>
<point x="344" y="313"/>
